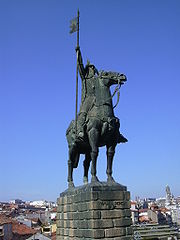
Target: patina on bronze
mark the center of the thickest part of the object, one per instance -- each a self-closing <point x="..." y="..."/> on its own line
<point x="95" y="125"/>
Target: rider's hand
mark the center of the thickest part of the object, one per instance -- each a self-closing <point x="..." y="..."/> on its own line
<point x="77" y="49"/>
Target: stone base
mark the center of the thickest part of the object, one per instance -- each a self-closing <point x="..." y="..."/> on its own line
<point x="94" y="212"/>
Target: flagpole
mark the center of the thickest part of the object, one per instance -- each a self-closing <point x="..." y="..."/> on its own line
<point x="76" y="114"/>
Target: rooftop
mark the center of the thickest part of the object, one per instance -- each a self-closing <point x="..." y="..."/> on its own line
<point x="22" y="229"/>
<point x="4" y="219"/>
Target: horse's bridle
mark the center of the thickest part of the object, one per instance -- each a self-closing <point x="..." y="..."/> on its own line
<point x="116" y="90"/>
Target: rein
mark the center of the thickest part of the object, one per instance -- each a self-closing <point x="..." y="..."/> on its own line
<point x="116" y="90"/>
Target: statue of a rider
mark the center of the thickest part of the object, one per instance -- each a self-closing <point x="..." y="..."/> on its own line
<point x="95" y="125"/>
<point x="88" y="75"/>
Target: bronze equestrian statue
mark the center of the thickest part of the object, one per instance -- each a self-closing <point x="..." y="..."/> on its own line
<point x="96" y="124"/>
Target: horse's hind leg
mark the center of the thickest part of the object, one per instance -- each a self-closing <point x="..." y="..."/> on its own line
<point x="86" y="164"/>
<point x="93" y="135"/>
<point x="110" y="155"/>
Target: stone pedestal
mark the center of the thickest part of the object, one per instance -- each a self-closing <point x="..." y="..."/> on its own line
<point x="94" y="212"/>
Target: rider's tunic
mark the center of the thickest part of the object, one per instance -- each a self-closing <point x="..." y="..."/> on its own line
<point x="88" y="94"/>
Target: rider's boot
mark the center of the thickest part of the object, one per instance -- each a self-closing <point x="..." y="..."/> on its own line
<point x="81" y="125"/>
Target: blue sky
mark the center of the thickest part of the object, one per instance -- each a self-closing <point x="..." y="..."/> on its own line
<point x="37" y="92"/>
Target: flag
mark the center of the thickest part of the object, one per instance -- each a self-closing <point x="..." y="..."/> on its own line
<point x="73" y="25"/>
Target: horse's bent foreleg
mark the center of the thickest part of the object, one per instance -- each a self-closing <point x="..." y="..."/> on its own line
<point x="70" y="167"/>
<point x="86" y="164"/>
<point x="93" y="135"/>
<point x="110" y="155"/>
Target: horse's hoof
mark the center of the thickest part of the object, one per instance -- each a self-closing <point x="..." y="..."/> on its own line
<point x="110" y="180"/>
<point x="95" y="180"/>
<point x="71" y="185"/>
<point x="85" y="180"/>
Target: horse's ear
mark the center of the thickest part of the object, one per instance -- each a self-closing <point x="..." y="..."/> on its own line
<point x="88" y="62"/>
<point x="96" y="71"/>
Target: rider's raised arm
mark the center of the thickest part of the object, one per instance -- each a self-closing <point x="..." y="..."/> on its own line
<point x="80" y="63"/>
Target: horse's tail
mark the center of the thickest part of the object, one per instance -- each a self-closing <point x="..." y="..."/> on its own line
<point x="70" y="135"/>
<point x="71" y="127"/>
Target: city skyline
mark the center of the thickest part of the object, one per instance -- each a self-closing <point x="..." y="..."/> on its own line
<point x="37" y="92"/>
<point x="13" y="200"/>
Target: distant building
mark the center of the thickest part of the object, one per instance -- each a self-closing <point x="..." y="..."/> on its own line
<point x="21" y="231"/>
<point x="22" y="219"/>
<point x="143" y="215"/>
<point x="178" y="200"/>
<point x="168" y="196"/>
<point x="173" y="206"/>
<point x="155" y="232"/>
<point x="38" y="236"/>
<point x="46" y="230"/>
<point x="42" y="203"/>
<point x="50" y="229"/>
<point x="5" y="228"/>
<point x="145" y="204"/>
<point x="175" y="214"/>
<point x="17" y="201"/>
<point x="36" y="215"/>
<point x="161" y="202"/>
<point x="53" y="213"/>
<point x="134" y="212"/>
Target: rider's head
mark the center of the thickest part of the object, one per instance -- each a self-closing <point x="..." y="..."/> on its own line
<point x="90" y="70"/>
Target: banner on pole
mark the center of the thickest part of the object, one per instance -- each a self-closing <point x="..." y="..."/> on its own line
<point x="73" y="25"/>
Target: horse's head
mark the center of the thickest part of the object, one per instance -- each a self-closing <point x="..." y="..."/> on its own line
<point x="122" y="78"/>
<point x="115" y="77"/>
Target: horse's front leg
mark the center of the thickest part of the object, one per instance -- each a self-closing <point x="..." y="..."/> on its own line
<point x="93" y="135"/>
<point x="70" y="167"/>
<point x="86" y="164"/>
<point x="70" y="174"/>
<point x="110" y="155"/>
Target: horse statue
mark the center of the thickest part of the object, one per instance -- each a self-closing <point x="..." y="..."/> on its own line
<point x="101" y="129"/>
